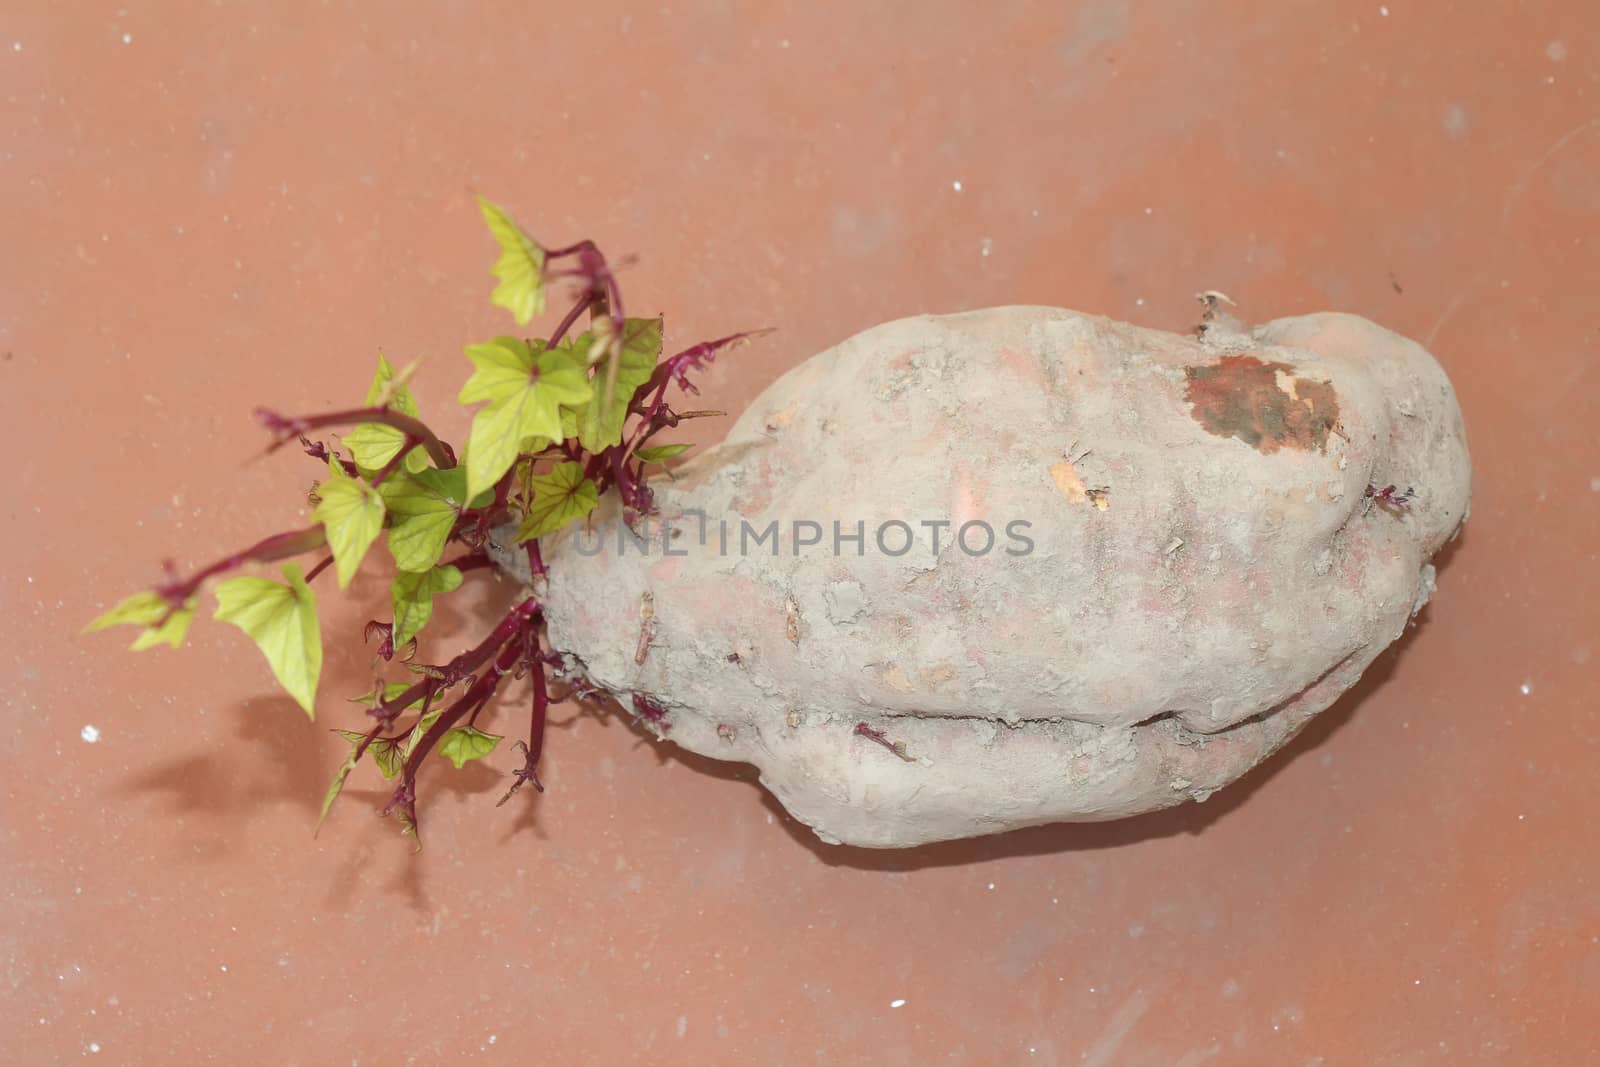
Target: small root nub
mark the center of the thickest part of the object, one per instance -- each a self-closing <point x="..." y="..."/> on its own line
<point x="897" y="747"/>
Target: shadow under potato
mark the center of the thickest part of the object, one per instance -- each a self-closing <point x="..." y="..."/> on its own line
<point x="275" y="764"/>
<point x="1186" y="818"/>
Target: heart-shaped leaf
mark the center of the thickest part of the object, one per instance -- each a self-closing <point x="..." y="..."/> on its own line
<point x="520" y="267"/>
<point x="559" y="497"/>
<point x="465" y="743"/>
<point x="282" y="620"/>
<point x="351" y="512"/>
<point x="525" y="388"/>
<point x="413" y="593"/>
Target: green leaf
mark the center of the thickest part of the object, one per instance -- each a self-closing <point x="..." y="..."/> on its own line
<point x="140" y="609"/>
<point x="386" y="754"/>
<point x="525" y="389"/>
<point x="282" y="620"/>
<point x="413" y="593"/>
<point x="599" y="424"/>
<point x="662" y="453"/>
<point x="351" y="512"/>
<point x="399" y="397"/>
<point x="464" y="743"/>
<point x="415" y="736"/>
<point x="148" y="609"/>
<point x="390" y="691"/>
<point x="520" y="267"/>
<point x="172" y="632"/>
<point x="373" y="444"/>
<point x="423" y="509"/>
<point x="408" y="827"/>
<point x="559" y="497"/>
<point x="337" y="785"/>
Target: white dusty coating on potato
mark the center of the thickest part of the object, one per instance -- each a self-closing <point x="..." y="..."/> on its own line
<point x="1208" y="571"/>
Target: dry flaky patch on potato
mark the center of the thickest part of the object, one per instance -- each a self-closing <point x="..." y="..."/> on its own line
<point x="1205" y="566"/>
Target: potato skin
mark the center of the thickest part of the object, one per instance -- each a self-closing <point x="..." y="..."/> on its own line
<point x="1207" y="570"/>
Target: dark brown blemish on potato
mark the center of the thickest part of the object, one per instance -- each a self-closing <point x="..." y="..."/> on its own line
<point x="1262" y="404"/>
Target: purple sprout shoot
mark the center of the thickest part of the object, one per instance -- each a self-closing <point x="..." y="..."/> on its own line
<point x="398" y="476"/>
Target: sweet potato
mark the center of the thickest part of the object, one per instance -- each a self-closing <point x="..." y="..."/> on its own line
<point x="1225" y="530"/>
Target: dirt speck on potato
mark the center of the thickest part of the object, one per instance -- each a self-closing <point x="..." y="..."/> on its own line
<point x="1066" y="478"/>
<point x="1069" y="481"/>
<point x="1262" y="404"/>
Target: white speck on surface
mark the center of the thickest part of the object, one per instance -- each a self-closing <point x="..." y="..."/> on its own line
<point x="1383" y="10"/>
<point x="94" y="1046"/>
<point x="986" y="247"/>
<point x="1555" y="51"/>
<point x="224" y="968"/>
<point x="991" y="885"/>
<point x="956" y="185"/>
<point x="493" y="1038"/>
<point x="16" y="46"/>
<point x="1139" y="302"/>
<point x="89" y="734"/>
<point x="1527" y="688"/>
<point x="1149" y="211"/>
<point x="1416" y="981"/>
<point x="1594" y="487"/>
<point x="784" y="43"/>
<point x="127" y="38"/>
<point x="898" y="1003"/>
<point x="683" y="1025"/>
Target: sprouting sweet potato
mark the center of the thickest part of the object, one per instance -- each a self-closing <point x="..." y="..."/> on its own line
<point x="1158" y="556"/>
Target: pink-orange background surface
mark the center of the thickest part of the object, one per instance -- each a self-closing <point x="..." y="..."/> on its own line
<point x="207" y="207"/>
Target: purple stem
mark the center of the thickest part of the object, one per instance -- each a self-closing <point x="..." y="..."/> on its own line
<point x="388" y="468"/>
<point x="268" y="550"/>
<point x="572" y="316"/>
<point x="462" y="666"/>
<point x="287" y="426"/>
<point x="311" y="575"/>
<point x="471" y="561"/>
